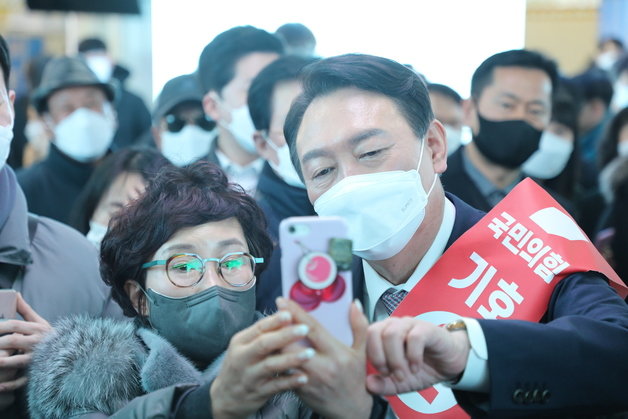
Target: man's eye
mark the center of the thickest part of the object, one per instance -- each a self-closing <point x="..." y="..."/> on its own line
<point x="371" y="153"/>
<point x="507" y="106"/>
<point x="322" y="173"/>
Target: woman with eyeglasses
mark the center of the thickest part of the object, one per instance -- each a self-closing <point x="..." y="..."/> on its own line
<point x="182" y="261"/>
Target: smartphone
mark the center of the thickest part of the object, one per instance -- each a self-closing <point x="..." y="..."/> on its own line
<point x="8" y="304"/>
<point x="316" y="270"/>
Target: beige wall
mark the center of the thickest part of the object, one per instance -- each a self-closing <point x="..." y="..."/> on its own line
<point x="566" y="31"/>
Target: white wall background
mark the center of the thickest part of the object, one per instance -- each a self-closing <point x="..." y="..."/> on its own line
<point x="443" y="39"/>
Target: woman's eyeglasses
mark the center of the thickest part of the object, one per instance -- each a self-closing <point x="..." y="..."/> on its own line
<point x="187" y="269"/>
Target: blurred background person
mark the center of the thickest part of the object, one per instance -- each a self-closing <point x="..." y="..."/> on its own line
<point x="181" y="130"/>
<point x="30" y="141"/>
<point x="297" y="39"/>
<point x="280" y="191"/>
<point x="596" y="91"/>
<point x="447" y="108"/>
<point x="120" y="178"/>
<point x="556" y="164"/>
<point x="133" y="115"/>
<point x="609" y="50"/>
<point x="226" y="68"/>
<point x="620" y="86"/>
<point x="54" y="268"/>
<point x="77" y="110"/>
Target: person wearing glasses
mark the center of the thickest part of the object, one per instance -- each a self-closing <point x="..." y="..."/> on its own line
<point x="182" y="261"/>
<point x="181" y="130"/>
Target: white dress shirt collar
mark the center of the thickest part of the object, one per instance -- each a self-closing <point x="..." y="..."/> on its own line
<point x="376" y="285"/>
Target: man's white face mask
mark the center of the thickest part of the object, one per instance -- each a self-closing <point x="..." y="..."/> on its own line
<point x="86" y="135"/>
<point x="550" y="159"/>
<point x="383" y="210"/>
<point x="241" y="126"/>
<point x="454" y="138"/>
<point x="187" y="146"/>
<point x="285" y="169"/>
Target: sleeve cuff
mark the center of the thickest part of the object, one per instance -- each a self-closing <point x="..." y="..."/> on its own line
<point x="475" y="376"/>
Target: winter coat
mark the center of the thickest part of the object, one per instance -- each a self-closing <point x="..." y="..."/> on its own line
<point x="89" y="365"/>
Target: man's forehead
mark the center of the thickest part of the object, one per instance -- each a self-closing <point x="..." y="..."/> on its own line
<point x="514" y="76"/>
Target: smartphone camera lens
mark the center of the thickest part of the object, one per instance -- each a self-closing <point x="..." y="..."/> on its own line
<point x="292" y="230"/>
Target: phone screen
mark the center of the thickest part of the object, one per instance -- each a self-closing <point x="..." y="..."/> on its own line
<point x="8" y="304"/>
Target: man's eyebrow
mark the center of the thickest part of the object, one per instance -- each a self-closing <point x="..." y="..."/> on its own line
<point x="353" y="141"/>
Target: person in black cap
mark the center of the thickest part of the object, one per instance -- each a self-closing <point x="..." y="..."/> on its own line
<point x="133" y="115"/>
<point x="181" y="130"/>
<point x="76" y="108"/>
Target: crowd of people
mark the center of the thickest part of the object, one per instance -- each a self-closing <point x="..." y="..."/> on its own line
<point x="145" y="244"/>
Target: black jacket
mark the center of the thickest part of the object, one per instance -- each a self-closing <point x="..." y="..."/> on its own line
<point x="278" y="200"/>
<point x="52" y="185"/>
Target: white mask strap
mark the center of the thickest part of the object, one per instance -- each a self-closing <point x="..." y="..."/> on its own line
<point x="270" y="142"/>
<point x="419" y="166"/>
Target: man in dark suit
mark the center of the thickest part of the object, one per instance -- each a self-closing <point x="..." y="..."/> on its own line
<point x="368" y="148"/>
<point x="509" y="109"/>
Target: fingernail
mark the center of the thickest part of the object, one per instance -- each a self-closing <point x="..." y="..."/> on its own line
<point x="383" y="371"/>
<point x="284" y="316"/>
<point x="399" y="375"/>
<point x="281" y="302"/>
<point x="302" y="379"/>
<point x="359" y="304"/>
<point x="414" y="368"/>
<point x="307" y="354"/>
<point x="301" y="330"/>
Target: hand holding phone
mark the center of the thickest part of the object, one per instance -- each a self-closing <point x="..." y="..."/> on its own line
<point x="316" y="270"/>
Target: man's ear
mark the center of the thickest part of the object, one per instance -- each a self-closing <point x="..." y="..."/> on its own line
<point x="437" y="144"/>
<point x="470" y="115"/>
<point x="135" y="293"/>
<point x="210" y="106"/>
<point x="260" y="142"/>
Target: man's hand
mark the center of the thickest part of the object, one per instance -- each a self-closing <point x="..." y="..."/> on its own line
<point x="337" y="373"/>
<point x="254" y="368"/>
<point x="411" y="354"/>
<point x="17" y="339"/>
<point x="6" y="374"/>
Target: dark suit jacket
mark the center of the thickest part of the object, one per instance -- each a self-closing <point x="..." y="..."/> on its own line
<point x="572" y="362"/>
<point x="456" y="181"/>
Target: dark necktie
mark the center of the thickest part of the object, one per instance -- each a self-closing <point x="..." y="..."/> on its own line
<point x="391" y="299"/>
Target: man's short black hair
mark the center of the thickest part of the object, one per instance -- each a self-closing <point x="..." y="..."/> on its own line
<point x="594" y="85"/>
<point x="613" y="40"/>
<point x="483" y="75"/>
<point x="216" y="66"/>
<point x="445" y="91"/>
<point x="364" y="72"/>
<point x="5" y="61"/>
<point x="92" y="44"/>
<point x="284" y="69"/>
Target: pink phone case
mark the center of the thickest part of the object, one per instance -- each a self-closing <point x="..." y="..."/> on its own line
<point x="311" y="277"/>
<point x="8" y="304"/>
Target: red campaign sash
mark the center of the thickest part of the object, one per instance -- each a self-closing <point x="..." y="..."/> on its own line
<point x="506" y="266"/>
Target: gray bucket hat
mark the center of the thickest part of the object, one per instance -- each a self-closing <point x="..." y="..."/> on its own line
<point x="64" y="72"/>
<point x="178" y="90"/>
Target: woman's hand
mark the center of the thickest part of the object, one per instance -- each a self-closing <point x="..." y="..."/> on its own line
<point x="254" y="369"/>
